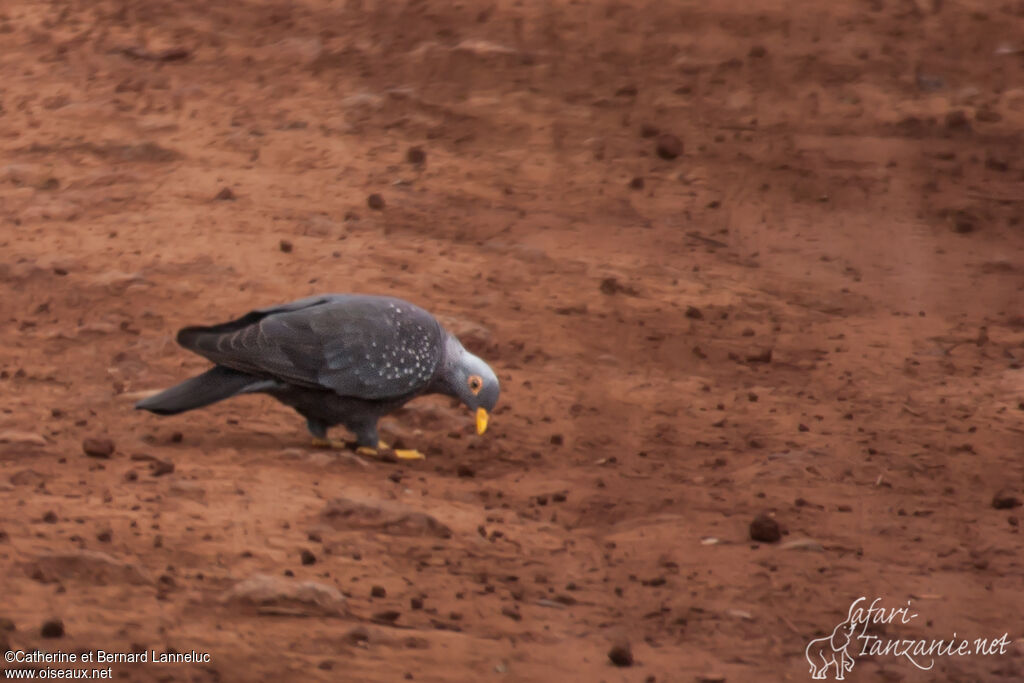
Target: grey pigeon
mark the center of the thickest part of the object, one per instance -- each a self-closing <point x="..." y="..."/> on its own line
<point x="345" y="359"/>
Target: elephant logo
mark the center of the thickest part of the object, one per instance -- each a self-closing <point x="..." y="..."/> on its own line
<point x="832" y="651"/>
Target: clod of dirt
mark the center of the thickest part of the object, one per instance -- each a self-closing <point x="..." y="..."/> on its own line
<point x="964" y="222"/>
<point x="762" y="357"/>
<point x="104" y="535"/>
<point x="285" y="246"/>
<point x="1005" y="500"/>
<point x="416" y="603"/>
<point x="621" y="654"/>
<point x="765" y="529"/>
<point x="416" y="156"/>
<point x="388" y="616"/>
<point x="53" y="628"/>
<point x="225" y="195"/>
<point x="88" y="566"/>
<point x="360" y="634"/>
<point x="385" y="516"/>
<point x="28" y="478"/>
<point x="668" y="146"/>
<point x="173" y="54"/>
<point x="378" y="592"/>
<point x="159" y="468"/>
<point x="694" y="313"/>
<point x="307" y="557"/>
<point x="637" y="183"/>
<point x="275" y="596"/>
<point x="465" y="471"/>
<point x="957" y="120"/>
<point x="375" y="202"/>
<point x="612" y="286"/>
<point x="98" y="447"/>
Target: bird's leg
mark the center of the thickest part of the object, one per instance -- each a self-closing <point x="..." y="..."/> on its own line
<point x="319" y="431"/>
<point x="367" y="435"/>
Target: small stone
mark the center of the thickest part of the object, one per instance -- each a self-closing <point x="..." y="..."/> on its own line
<point x="416" y="603"/>
<point x="378" y="592"/>
<point x="621" y="654"/>
<point x="668" y="146"/>
<point x="512" y="613"/>
<point x="97" y="447"/>
<point x="360" y="634"/>
<point x="757" y="52"/>
<point x="648" y="131"/>
<point x="50" y="517"/>
<point x="159" y="468"/>
<point x="765" y="529"/>
<point x="389" y="616"/>
<point x="375" y="202"/>
<point x="105" y="536"/>
<point x="225" y="194"/>
<point x="637" y="183"/>
<point x="54" y="628"/>
<point x="1006" y="500"/>
<point x="803" y="428"/>
<point x="957" y="119"/>
<point x="307" y="557"/>
<point x="416" y="156"/>
<point x="465" y="471"/>
<point x="285" y="246"/>
<point x="694" y="313"/>
<point x="557" y="440"/>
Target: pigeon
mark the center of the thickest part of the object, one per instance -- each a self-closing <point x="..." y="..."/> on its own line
<point x="337" y="359"/>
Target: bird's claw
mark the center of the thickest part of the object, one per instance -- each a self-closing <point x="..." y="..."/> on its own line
<point x="383" y="451"/>
<point x="409" y="454"/>
<point x="329" y="443"/>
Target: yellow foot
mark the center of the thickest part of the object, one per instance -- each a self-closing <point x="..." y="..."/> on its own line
<point x="329" y="443"/>
<point x="409" y="454"/>
<point x="400" y="453"/>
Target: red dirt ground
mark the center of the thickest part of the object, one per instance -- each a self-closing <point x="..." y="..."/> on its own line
<point x="847" y="197"/>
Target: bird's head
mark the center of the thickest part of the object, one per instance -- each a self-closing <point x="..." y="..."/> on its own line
<point x="472" y="381"/>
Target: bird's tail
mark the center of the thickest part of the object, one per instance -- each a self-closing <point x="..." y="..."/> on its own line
<point x="216" y="384"/>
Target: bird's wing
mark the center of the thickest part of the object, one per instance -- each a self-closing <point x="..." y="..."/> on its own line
<point x="360" y="346"/>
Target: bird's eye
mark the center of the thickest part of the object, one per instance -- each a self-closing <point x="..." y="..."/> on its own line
<point x="476" y="383"/>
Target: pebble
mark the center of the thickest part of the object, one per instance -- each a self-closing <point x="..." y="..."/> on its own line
<point x="416" y="156"/>
<point x="621" y="654"/>
<point x="668" y="146"/>
<point x="765" y="529"/>
<point x="375" y="202"/>
<point x="98" y="447"/>
<point x="1006" y="500"/>
<point x="54" y="628"/>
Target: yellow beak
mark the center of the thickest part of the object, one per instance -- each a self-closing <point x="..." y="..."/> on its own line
<point x="481" y="420"/>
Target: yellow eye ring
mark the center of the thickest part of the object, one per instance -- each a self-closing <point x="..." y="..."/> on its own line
<point x="476" y="383"/>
